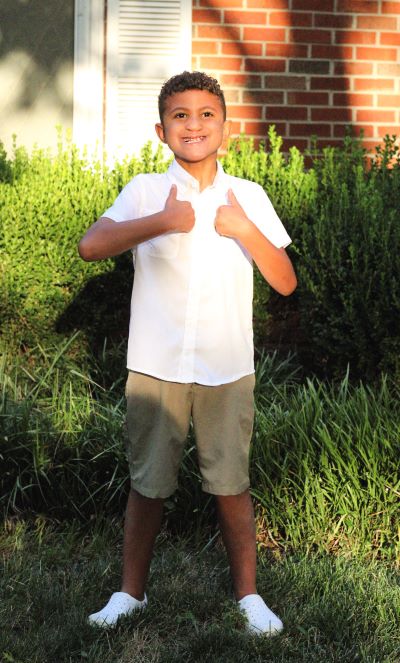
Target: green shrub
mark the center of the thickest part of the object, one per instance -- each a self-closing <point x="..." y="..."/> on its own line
<point x="46" y="204"/>
<point x="349" y="270"/>
<point x="341" y="214"/>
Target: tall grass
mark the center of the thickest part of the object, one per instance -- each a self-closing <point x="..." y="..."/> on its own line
<point x="324" y="461"/>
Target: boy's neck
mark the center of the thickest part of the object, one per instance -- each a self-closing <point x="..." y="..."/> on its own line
<point x="203" y="171"/>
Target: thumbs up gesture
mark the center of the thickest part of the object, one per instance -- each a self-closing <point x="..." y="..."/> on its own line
<point x="180" y="213"/>
<point x="231" y="219"/>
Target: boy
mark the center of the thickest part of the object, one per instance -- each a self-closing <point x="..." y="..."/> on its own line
<point x="194" y="232"/>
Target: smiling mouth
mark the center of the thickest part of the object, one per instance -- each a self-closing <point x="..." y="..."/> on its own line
<point x="193" y="139"/>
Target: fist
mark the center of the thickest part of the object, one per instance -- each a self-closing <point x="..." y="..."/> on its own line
<point x="231" y="219"/>
<point x="180" y="212"/>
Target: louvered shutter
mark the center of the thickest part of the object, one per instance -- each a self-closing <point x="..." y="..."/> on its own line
<point x="147" y="42"/>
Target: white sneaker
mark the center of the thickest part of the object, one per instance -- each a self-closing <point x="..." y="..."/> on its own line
<point x="260" y="619"/>
<point x="119" y="605"/>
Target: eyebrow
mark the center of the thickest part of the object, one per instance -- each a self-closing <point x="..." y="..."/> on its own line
<point x="184" y="108"/>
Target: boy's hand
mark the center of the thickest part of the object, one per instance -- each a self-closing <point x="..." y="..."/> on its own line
<point x="231" y="220"/>
<point x="180" y="212"/>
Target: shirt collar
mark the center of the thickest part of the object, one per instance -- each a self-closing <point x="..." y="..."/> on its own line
<point x="185" y="181"/>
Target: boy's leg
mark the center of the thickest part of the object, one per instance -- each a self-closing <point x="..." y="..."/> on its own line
<point x="236" y="520"/>
<point x="157" y="423"/>
<point x="223" y="420"/>
<point x="143" y="518"/>
<point x="142" y="523"/>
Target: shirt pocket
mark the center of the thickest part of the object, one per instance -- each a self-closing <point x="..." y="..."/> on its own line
<point x="164" y="246"/>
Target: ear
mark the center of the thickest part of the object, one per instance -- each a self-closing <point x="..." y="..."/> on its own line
<point x="160" y="132"/>
<point x="226" y="133"/>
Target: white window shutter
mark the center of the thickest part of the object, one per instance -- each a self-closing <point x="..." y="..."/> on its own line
<point x="147" y="42"/>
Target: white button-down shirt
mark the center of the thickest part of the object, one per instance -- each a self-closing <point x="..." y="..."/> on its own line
<point x="191" y="311"/>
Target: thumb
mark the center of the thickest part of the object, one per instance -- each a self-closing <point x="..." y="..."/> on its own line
<point x="173" y="192"/>
<point x="232" y="200"/>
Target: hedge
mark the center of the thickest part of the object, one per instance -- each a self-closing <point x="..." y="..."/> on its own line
<point x="340" y="207"/>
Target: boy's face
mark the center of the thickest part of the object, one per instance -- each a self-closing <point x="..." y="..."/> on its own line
<point x="193" y="125"/>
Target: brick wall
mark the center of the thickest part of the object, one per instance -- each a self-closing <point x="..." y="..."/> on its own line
<point x="307" y="66"/>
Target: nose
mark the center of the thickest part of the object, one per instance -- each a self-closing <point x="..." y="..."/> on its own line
<point x="193" y="123"/>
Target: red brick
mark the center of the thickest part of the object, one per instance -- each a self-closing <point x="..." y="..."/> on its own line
<point x="231" y="96"/>
<point x="329" y="83"/>
<point x="289" y="19"/>
<point x="351" y="99"/>
<point x="264" y="34"/>
<point x="245" y="112"/>
<point x="218" y="32"/>
<point x="332" y="52"/>
<point x="395" y="129"/>
<point x="261" y="128"/>
<point x="355" y="37"/>
<point x="365" y="53"/>
<point x="341" y="130"/>
<point x="357" y="6"/>
<point x="329" y="143"/>
<point x="217" y="62"/>
<point x="263" y="97"/>
<point x="235" y="127"/>
<point x="311" y="36"/>
<point x="206" y="16"/>
<point x="288" y="143"/>
<point x="388" y="69"/>
<point x="309" y="129"/>
<point x="370" y="145"/>
<point x="353" y="68"/>
<point x="204" y="47"/>
<point x="333" y="20"/>
<point x="390" y="38"/>
<point x="331" y="114"/>
<point x="390" y="8"/>
<point x="223" y="3"/>
<point x="308" y="98"/>
<point x="241" y="48"/>
<point x="287" y="50"/>
<point x="376" y="22"/>
<point x="285" y="82"/>
<point x="267" y="4"/>
<point x="241" y="80"/>
<point x="389" y="100"/>
<point x="373" y="84"/>
<point x="250" y="18"/>
<point x="263" y="64"/>
<point x="286" y="113"/>
<point x="374" y="115"/>
<point x="313" y="5"/>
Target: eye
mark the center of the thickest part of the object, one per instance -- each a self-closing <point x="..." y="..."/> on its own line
<point x="180" y="115"/>
<point x="208" y="114"/>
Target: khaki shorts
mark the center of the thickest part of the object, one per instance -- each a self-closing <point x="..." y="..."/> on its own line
<point x="157" y="425"/>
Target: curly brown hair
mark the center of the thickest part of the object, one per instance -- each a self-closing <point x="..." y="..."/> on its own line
<point x="190" y="80"/>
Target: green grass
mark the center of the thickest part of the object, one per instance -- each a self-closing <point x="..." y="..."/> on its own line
<point x="324" y="465"/>
<point x="333" y="608"/>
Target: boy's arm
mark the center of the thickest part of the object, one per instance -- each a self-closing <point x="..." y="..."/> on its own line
<point x="107" y="238"/>
<point x="273" y="263"/>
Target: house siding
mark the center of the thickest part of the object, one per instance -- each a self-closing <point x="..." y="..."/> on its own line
<point x="36" y="70"/>
<point x="306" y="66"/>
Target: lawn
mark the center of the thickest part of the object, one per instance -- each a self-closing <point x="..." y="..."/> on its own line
<point x="333" y="608"/>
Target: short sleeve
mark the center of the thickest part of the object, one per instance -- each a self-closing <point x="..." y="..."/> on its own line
<point x="127" y="205"/>
<point x="261" y="212"/>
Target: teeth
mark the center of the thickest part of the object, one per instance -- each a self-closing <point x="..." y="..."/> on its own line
<point x="198" y="139"/>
